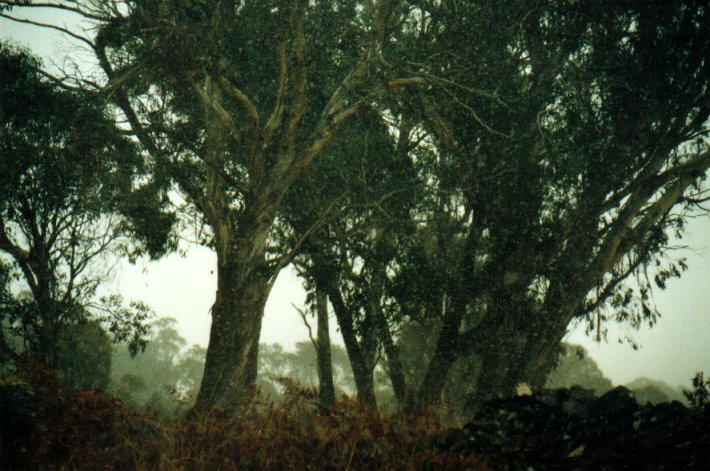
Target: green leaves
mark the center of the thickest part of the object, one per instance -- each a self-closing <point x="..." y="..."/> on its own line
<point x="127" y="322"/>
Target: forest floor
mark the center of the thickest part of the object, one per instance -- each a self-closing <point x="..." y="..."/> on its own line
<point x="44" y="427"/>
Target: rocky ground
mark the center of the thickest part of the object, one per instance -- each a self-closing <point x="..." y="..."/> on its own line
<point x="571" y="429"/>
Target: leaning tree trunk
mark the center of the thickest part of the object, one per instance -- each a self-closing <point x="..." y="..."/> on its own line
<point x="362" y="371"/>
<point x="521" y="348"/>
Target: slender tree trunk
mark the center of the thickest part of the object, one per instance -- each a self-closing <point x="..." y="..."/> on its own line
<point x="6" y="352"/>
<point x="48" y="345"/>
<point x="362" y="372"/>
<point x="375" y="313"/>
<point x="394" y="365"/>
<point x="326" y="388"/>
<point x="49" y="313"/>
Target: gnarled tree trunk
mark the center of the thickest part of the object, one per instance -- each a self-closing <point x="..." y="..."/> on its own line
<point x="231" y="362"/>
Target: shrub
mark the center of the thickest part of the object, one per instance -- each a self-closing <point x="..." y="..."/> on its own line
<point x="46" y="427"/>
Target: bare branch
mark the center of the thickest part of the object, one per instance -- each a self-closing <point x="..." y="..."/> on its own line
<point x="61" y="83"/>
<point x="338" y="100"/>
<point x="18" y="253"/>
<point x="298" y="80"/>
<point x="222" y="114"/>
<point x="323" y="134"/>
<point x="58" y="6"/>
<point x="304" y="317"/>
<point x="50" y="26"/>
<point x="475" y="115"/>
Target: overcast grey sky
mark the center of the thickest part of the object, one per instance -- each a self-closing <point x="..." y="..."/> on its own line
<point x="673" y="350"/>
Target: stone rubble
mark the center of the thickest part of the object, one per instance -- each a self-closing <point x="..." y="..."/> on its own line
<point x="571" y="429"/>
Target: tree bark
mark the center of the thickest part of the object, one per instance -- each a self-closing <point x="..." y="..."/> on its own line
<point x="394" y="365"/>
<point x="362" y="372"/>
<point x="231" y="362"/>
<point x="439" y="366"/>
<point x="326" y="387"/>
<point x="445" y="354"/>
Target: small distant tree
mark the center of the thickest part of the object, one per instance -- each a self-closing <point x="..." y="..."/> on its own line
<point x="700" y="395"/>
<point x="575" y="366"/>
<point x="190" y="366"/>
<point x="162" y="376"/>
<point x="654" y="391"/>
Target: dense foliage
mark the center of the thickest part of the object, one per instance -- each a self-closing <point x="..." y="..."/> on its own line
<point x="66" y="175"/>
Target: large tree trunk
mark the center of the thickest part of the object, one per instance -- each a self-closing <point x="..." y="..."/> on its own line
<point x="326" y="388"/>
<point x="243" y="277"/>
<point x="444" y="356"/>
<point x="523" y="348"/>
<point x="544" y="341"/>
<point x="231" y="362"/>
<point x="501" y="368"/>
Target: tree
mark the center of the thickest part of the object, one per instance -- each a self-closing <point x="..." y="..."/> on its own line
<point x="190" y="366"/>
<point x="567" y="153"/>
<point x="372" y="190"/>
<point x="85" y="356"/>
<point x="301" y="366"/>
<point x="574" y="366"/>
<point x="591" y="150"/>
<point x="654" y="391"/>
<point x="562" y="152"/>
<point x="65" y="173"/>
<point x="232" y="101"/>
<point x="164" y="375"/>
<point x="321" y="343"/>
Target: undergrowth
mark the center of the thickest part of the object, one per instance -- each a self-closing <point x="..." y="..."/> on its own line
<point x="42" y="426"/>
